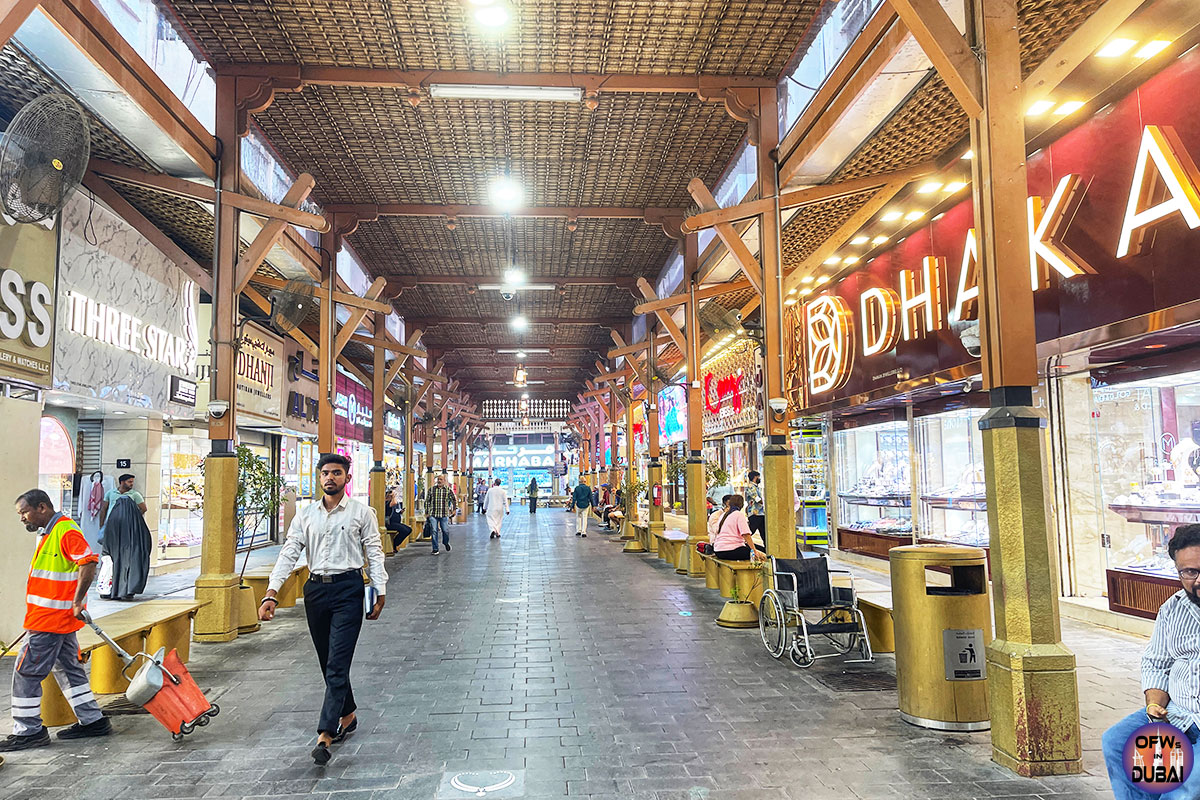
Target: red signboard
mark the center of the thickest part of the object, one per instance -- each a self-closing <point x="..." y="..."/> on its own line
<point x="1102" y="254"/>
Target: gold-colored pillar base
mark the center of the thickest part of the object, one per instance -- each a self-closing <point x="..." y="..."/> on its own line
<point x="217" y="586"/>
<point x="634" y="545"/>
<point x="738" y="614"/>
<point x="697" y="517"/>
<point x="107" y="669"/>
<point x="779" y="501"/>
<point x="656" y="522"/>
<point x="377" y="491"/>
<point x="1035" y="708"/>
<point x="1032" y="690"/>
<point x="176" y="634"/>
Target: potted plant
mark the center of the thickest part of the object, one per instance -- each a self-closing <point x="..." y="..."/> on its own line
<point x="737" y="613"/>
<point x="259" y="497"/>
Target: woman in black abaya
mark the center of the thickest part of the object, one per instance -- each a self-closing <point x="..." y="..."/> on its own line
<point x="126" y="539"/>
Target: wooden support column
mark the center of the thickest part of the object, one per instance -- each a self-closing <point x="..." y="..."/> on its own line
<point x="1032" y="691"/>
<point x="697" y="488"/>
<point x="409" y="473"/>
<point x="13" y="14"/>
<point x="378" y="484"/>
<point x="779" y="492"/>
<point x="217" y="584"/>
<point x="626" y="477"/>
<point x="612" y="440"/>
<point x="654" y="471"/>
<point x="331" y="242"/>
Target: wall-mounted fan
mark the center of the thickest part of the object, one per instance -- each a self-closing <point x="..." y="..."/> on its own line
<point x="291" y="305"/>
<point x="43" y="155"/>
<point x="717" y="322"/>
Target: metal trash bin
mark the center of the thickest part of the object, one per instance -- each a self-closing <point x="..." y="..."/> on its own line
<point x="941" y="633"/>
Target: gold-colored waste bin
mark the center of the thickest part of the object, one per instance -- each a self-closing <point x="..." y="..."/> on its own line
<point x="943" y="623"/>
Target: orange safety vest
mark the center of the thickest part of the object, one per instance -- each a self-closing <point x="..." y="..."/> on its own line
<point x="53" y="577"/>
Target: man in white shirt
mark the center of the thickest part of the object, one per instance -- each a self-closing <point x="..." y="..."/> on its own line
<point x="334" y="533"/>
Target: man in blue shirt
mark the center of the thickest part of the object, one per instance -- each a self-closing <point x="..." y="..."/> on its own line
<point x="1170" y="673"/>
<point x="581" y="501"/>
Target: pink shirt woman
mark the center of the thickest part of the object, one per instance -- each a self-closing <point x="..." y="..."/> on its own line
<point x="733" y="535"/>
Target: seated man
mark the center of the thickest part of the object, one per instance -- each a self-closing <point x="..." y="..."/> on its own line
<point x="1170" y="666"/>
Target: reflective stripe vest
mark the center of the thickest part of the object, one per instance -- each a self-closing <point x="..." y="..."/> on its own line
<point x="52" y="581"/>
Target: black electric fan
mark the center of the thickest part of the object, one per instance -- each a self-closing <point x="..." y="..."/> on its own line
<point x="43" y="155"/>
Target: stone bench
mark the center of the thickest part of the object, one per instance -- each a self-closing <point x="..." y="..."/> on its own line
<point x="556" y="501"/>
<point x="670" y="542"/>
<point x="145" y="627"/>
<point x="292" y="589"/>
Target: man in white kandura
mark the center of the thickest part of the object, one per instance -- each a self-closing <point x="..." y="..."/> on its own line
<point x="335" y="533"/>
<point x="495" y="504"/>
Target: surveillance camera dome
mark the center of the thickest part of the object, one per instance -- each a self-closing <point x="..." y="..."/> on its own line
<point x="507" y="295"/>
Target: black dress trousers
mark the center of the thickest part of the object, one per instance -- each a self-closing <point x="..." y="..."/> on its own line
<point x="335" y="617"/>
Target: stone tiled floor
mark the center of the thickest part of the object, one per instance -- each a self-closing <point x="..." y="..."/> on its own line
<point x="579" y="670"/>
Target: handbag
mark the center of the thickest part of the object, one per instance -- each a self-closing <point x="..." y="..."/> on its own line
<point x="105" y="577"/>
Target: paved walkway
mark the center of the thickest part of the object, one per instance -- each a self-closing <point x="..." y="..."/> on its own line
<point x="579" y="670"/>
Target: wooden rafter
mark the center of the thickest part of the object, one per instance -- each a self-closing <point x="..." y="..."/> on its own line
<point x="270" y="233"/>
<point x="954" y="60"/>
<point x="673" y="329"/>
<point x="732" y="240"/>
<point x="356" y="316"/>
<point x="345" y="298"/>
<point x="706" y="293"/>
<point x="397" y="363"/>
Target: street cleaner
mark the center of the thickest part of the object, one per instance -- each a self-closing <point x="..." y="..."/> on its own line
<point x="62" y="571"/>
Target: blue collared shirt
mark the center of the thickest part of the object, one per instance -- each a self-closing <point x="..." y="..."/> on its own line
<point x="1171" y="661"/>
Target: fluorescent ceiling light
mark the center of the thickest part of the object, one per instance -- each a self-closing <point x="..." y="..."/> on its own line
<point x="929" y="188"/>
<point x="833" y="260"/>
<point x="1040" y="107"/>
<point x="879" y="240"/>
<point x="492" y="16"/>
<point x="510" y="287"/>
<point x="514" y="276"/>
<point x="805" y="292"/>
<point x="525" y="350"/>
<point x="792" y="291"/>
<point x="913" y="216"/>
<point x="791" y="301"/>
<point x="1115" y="48"/>
<point x="1151" y="49"/>
<point x="851" y="260"/>
<point x="821" y="281"/>
<point x="506" y="194"/>
<point x="526" y="383"/>
<point x="860" y="240"/>
<point x="891" y="216"/>
<point x="1069" y="107"/>
<point x="480" y="91"/>
<point x="807" y="279"/>
<point x="954" y="186"/>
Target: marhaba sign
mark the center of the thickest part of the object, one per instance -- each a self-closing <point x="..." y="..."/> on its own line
<point x="1108" y="241"/>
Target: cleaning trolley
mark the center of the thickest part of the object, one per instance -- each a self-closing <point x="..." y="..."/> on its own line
<point x="163" y="686"/>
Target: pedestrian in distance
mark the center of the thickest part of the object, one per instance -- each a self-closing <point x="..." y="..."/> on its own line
<point x="55" y="599"/>
<point x="755" y="510"/>
<point x="125" y="538"/>
<point x="440" y="505"/>
<point x="334" y="533"/>
<point x="495" y="506"/>
<point x="533" y="495"/>
<point x="581" y="502"/>
<point x="481" y="490"/>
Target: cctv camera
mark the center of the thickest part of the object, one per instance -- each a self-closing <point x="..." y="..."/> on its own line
<point x="218" y="408"/>
<point x="778" y="404"/>
<point x="507" y="295"/>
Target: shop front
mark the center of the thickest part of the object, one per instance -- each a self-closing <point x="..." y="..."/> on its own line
<point x="298" y="442"/>
<point x="516" y="465"/>
<point x="393" y="445"/>
<point x="125" y="365"/>
<point x="672" y="439"/>
<point x="353" y="418"/>
<point x="889" y="356"/>
<point x="733" y="414"/>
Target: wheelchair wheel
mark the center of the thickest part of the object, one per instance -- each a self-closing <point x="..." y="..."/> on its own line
<point x="772" y="623"/>
<point x="842" y="643"/>
<point x="864" y="649"/>
<point x="801" y="655"/>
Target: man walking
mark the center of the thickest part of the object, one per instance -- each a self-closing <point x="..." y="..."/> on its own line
<point x="334" y="534"/>
<point x="55" y="595"/>
<point x="581" y="501"/>
<point x="439" y="507"/>
<point x="755" y="511"/>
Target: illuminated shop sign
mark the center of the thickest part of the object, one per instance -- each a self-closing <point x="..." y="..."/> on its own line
<point x="353" y="409"/>
<point x="118" y="328"/>
<point x="27" y="275"/>
<point x="259" y="368"/>
<point x="838" y="328"/>
<point x="515" y="456"/>
<point x="732" y="389"/>
<point x="672" y="415"/>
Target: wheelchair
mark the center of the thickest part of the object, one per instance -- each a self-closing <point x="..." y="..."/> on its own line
<point x="803" y="584"/>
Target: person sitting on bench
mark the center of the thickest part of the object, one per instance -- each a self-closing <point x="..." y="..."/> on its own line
<point x="733" y="541"/>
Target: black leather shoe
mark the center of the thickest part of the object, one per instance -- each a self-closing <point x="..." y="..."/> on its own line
<point x="342" y="733"/>
<point x="28" y="742"/>
<point x="101" y="727"/>
<point x="321" y="754"/>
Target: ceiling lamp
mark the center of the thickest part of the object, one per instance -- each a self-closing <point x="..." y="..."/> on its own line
<point x="506" y="194"/>
<point x="1069" y="107"/>
<point x="1040" y="107"/>
<point x="913" y="216"/>
<point x="1151" y="49"/>
<point x="891" y="216"/>
<point x="860" y="240"/>
<point x="514" y="276"/>
<point x="878" y="240"/>
<point x="493" y="15"/>
<point x="520" y="322"/>
<point x="1116" y="48"/>
<point x="520" y="376"/>
<point x="480" y="91"/>
<point x="929" y="188"/>
<point x="521" y="352"/>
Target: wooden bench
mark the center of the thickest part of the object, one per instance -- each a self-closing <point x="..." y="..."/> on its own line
<point x="670" y="542"/>
<point x="557" y="501"/>
<point x="145" y="627"/>
<point x="292" y="589"/>
<point x="877" y="611"/>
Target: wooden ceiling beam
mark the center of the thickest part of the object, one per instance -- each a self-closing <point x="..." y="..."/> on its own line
<point x="731" y="238"/>
<point x="270" y="233"/>
<point x="707" y="87"/>
<point x="207" y="194"/>
<point x="345" y="298"/>
<point x="706" y="293"/>
<point x="952" y="57"/>
<point x="356" y="316"/>
<point x="373" y="210"/>
<point x="604" y="322"/>
<point x="413" y="281"/>
<point x="673" y="329"/>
